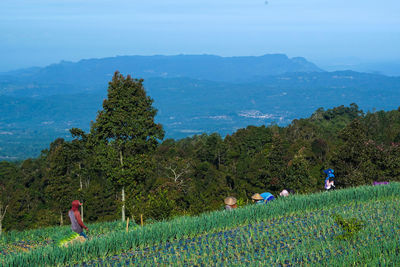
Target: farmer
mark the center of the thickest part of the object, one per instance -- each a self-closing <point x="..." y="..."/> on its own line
<point x="330" y="179"/>
<point x="230" y="203"/>
<point x="262" y="198"/>
<point x="257" y="198"/>
<point x="286" y="192"/>
<point x="267" y="197"/>
<point x="76" y="222"/>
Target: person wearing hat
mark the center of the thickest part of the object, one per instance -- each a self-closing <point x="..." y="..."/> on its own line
<point x="262" y="198"/>
<point x="257" y="198"/>
<point x="76" y="222"/>
<point x="230" y="203"/>
<point x="284" y="193"/>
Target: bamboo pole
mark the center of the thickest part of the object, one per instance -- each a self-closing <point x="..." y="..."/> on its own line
<point x="127" y="225"/>
<point x="82" y="213"/>
<point x="141" y="219"/>
<point x="123" y="203"/>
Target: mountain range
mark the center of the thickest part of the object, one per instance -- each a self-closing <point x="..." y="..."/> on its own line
<point x="194" y="94"/>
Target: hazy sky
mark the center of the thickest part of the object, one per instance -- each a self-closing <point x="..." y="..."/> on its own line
<point x="41" y="32"/>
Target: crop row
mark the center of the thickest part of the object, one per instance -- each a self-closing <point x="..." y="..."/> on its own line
<point x="288" y="241"/>
<point x="190" y="227"/>
<point x="14" y="241"/>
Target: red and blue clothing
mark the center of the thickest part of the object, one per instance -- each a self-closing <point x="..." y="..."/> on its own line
<point x="76" y="222"/>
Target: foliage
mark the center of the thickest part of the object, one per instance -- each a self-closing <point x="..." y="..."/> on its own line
<point x="350" y="226"/>
<point x="195" y="173"/>
<point x="67" y="239"/>
<point x="124" y="134"/>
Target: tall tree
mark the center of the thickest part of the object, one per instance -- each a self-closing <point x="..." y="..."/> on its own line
<point x="3" y="210"/>
<point x="353" y="159"/>
<point x="298" y="173"/>
<point x="8" y="189"/>
<point x="61" y="185"/>
<point x="276" y="162"/>
<point x="126" y="133"/>
<point x="82" y="159"/>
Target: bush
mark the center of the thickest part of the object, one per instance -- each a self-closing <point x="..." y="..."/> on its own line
<point x="350" y="226"/>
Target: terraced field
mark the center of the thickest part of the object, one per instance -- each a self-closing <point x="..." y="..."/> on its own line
<point x="14" y="243"/>
<point x="298" y="230"/>
<point x="309" y="238"/>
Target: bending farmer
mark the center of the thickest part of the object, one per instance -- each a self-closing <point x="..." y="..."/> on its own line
<point x="286" y="192"/>
<point x="230" y="203"/>
<point x="262" y="198"/>
<point x="76" y="222"/>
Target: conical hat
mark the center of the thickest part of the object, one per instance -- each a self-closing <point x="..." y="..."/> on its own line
<point x="257" y="196"/>
<point x="230" y="201"/>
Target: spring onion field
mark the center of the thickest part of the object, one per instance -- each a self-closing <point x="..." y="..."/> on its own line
<point x="292" y="231"/>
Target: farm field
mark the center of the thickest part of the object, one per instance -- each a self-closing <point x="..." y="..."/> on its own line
<point x="298" y="230"/>
<point x="309" y="238"/>
<point x="15" y="242"/>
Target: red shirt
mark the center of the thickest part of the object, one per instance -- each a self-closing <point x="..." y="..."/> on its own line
<point x="79" y="219"/>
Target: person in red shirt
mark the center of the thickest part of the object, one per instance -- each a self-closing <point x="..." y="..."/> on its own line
<point x="76" y="222"/>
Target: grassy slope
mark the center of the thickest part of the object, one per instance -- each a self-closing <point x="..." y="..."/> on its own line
<point x="308" y="238"/>
<point x="296" y="207"/>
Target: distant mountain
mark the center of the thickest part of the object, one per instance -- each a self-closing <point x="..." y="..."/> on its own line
<point x="384" y="68"/>
<point x="41" y="104"/>
<point x="93" y="74"/>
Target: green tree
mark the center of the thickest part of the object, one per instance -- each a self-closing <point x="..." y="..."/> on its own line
<point x="6" y="174"/>
<point x="11" y="194"/>
<point x="352" y="160"/>
<point x="212" y="149"/>
<point x="32" y="205"/>
<point x="298" y="173"/>
<point x="276" y="163"/>
<point x="392" y="163"/>
<point x="61" y="185"/>
<point x="83" y="163"/>
<point x="126" y="134"/>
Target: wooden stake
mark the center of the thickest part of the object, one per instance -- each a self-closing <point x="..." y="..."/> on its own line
<point x="127" y="225"/>
<point x="141" y="219"/>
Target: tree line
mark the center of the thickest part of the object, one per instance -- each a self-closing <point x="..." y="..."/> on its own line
<point x="123" y="167"/>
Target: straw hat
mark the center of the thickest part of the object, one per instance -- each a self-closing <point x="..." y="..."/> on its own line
<point x="230" y="201"/>
<point x="257" y="196"/>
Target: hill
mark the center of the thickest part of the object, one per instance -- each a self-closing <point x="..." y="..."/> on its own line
<point x="186" y="106"/>
<point x="93" y="74"/>
<point x="298" y="229"/>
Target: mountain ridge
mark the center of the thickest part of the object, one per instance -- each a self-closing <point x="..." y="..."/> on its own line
<point x="93" y="73"/>
<point x="34" y="113"/>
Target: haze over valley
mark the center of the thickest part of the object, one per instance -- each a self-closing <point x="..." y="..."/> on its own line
<point x="194" y="94"/>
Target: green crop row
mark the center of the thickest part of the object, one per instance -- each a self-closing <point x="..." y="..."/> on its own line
<point x="186" y="227"/>
<point x="56" y="232"/>
<point x="308" y="239"/>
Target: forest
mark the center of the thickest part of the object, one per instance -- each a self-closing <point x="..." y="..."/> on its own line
<point x="124" y="168"/>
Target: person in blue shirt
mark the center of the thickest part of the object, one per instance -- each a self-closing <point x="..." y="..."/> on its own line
<point x="330" y="179"/>
<point x="267" y="196"/>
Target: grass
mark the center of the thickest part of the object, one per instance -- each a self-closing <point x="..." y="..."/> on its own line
<point x="264" y="234"/>
<point x="308" y="238"/>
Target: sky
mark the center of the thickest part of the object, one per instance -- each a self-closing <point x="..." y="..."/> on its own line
<point x="42" y="32"/>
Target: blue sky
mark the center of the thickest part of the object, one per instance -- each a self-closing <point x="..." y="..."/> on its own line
<point x="41" y="32"/>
